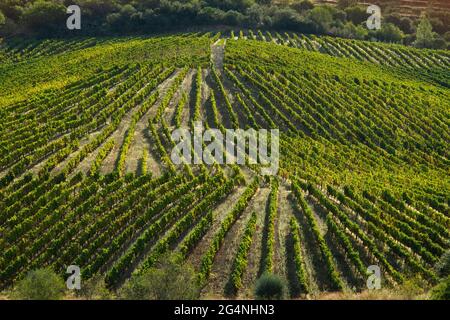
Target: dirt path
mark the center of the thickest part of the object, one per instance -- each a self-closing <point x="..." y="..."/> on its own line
<point x="206" y="93"/>
<point x="218" y="56"/>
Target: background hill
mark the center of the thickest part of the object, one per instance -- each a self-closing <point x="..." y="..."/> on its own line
<point x="347" y="18"/>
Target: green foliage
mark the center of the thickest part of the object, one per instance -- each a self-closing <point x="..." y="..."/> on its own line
<point x="322" y="17"/>
<point x="231" y="112"/>
<point x="380" y="132"/>
<point x="227" y="223"/>
<point x="272" y="213"/>
<point x="356" y="14"/>
<point x="170" y="279"/>
<point x="442" y="267"/>
<point x="303" y="5"/>
<point x="390" y="33"/>
<point x="298" y="257"/>
<point x="404" y="23"/>
<point x="349" y="30"/>
<point x="170" y="94"/>
<point x="102" y="154"/>
<point x="346" y="3"/>
<point x="442" y="290"/>
<point x="179" y="110"/>
<point x="94" y="289"/>
<point x="102" y="17"/>
<point x="44" y="16"/>
<point x="196" y="234"/>
<point x="327" y="257"/>
<point x="198" y="95"/>
<point x="425" y="36"/>
<point x="2" y="19"/>
<point x="270" y="287"/>
<point x="40" y="284"/>
<point x="144" y="162"/>
<point x="240" y="261"/>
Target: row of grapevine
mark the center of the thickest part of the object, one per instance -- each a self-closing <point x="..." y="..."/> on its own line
<point x="335" y="279"/>
<point x="272" y="213"/>
<point x="240" y="261"/>
<point x="170" y="93"/>
<point x="227" y="223"/>
<point x="300" y="271"/>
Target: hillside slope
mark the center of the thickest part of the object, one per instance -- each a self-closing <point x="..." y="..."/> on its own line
<point x="86" y="176"/>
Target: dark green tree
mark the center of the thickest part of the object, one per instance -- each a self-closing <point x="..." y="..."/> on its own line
<point x="46" y="17"/>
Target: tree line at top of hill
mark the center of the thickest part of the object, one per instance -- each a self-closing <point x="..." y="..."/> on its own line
<point x="112" y="17"/>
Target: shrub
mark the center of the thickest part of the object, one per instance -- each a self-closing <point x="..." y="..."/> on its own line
<point x="270" y="287"/>
<point x="170" y="279"/>
<point x="94" y="289"/>
<point x="443" y="265"/>
<point x="442" y="290"/>
<point x="390" y="33"/>
<point x="40" y="284"/>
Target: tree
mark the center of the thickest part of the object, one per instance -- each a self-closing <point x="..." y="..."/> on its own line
<point x="286" y="18"/>
<point x="44" y="17"/>
<point x="127" y="19"/>
<point x="390" y="33"/>
<point x="405" y="24"/>
<point x="447" y="36"/>
<point x="322" y="18"/>
<point x="2" y="19"/>
<point x="170" y="279"/>
<point x="438" y="25"/>
<point x="256" y="15"/>
<point x="357" y="14"/>
<point x="302" y="6"/>
<point x="349" y="30"/>
<point x="40" y="284"/>
<point x="342" y="4"/>
<point x="210" y="15"/>
<point x="424" y="35"/>
<point x="234" y="18"/>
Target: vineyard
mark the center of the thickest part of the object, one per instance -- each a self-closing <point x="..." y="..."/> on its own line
<point x="86" y="176"/>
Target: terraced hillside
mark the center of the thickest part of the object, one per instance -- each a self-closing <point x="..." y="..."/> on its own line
<point x="86" y="176"/>
<point x="408" y="8"/>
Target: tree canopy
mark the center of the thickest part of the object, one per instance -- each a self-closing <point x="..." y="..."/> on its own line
<point x="111" y="17"/>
